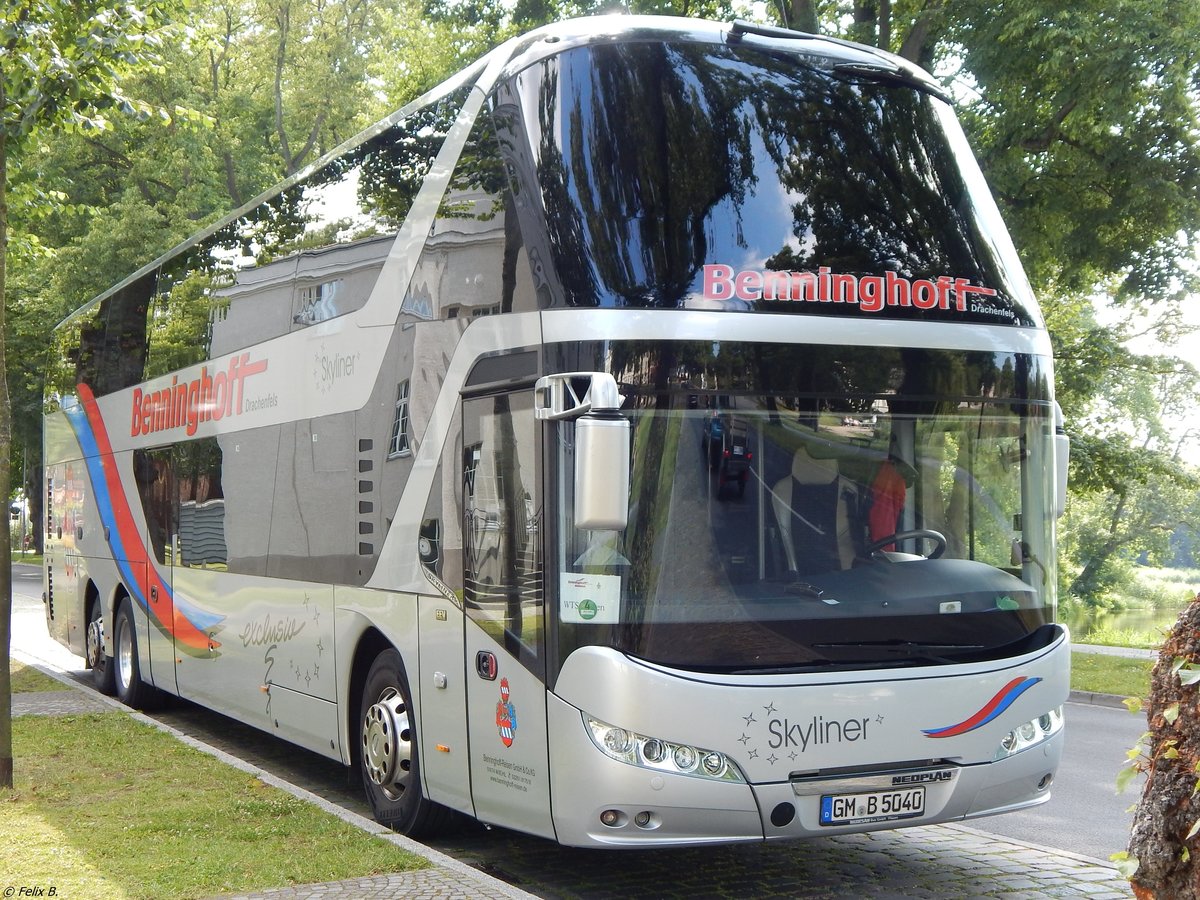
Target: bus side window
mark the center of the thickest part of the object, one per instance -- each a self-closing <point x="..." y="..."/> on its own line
<point x="502" y="559"/>
<point x="154" y="474"/>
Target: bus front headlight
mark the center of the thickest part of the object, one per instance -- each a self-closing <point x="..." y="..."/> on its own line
<point x="1030" y="733"/>
<point x="660" y="755"/>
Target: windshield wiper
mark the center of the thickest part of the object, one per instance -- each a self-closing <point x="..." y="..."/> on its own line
<point x="933" y="652"/>
<point x="890" y="75"/>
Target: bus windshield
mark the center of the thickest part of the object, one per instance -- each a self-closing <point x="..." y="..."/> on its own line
<point x="694" y="176"/>
<point x="773" y="531"/>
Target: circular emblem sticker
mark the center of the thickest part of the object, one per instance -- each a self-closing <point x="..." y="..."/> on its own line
<point x="587" y="609"/>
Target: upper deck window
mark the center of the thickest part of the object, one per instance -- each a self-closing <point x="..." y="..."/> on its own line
<point x="713" y="177"/>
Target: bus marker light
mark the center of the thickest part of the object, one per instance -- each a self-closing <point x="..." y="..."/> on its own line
<point x="442" y="748"/>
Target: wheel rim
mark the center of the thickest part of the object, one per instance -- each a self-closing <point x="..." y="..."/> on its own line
<point x="124" y="655"/>
<point x="387" y="744"/>
<point x="95" y="642"/>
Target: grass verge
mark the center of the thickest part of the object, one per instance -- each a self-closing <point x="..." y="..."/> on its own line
<point x="105" y="806"/>
<point x="27" y="679"/>
<point x="1102" y="674"/>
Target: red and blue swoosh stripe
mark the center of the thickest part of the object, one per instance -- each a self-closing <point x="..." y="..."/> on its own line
<point x="186" y="624"/>
<point x="1005" y="697"/>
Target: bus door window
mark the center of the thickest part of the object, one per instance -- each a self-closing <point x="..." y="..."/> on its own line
<point x="501" y="527"/>
<point x="152" y="470"/>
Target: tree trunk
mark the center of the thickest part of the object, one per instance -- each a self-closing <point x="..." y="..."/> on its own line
<point x="1169" y="807"/>
<point x="6" y="751"/>
<point x="802" y="16"/>
<point x="918" y="44"/>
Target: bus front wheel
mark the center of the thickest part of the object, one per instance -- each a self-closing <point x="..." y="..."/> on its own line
<point x="388" y="752"/>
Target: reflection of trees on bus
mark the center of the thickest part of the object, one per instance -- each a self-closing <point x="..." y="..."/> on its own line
<point x="712" y="123"/>
<point x="501" y="517"/>
<point x="162" y="321"/>
<point x="644" y="231"/>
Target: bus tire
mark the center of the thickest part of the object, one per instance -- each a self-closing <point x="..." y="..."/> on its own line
<point x="103" y="675"/>
<point x="131" y="689"/>
<point x="388" y="753"/>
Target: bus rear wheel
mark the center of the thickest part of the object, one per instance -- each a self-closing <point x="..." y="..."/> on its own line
<point x="131" y="689"/>
<point x="101" y="664"/>
<point x="388" y="752"/>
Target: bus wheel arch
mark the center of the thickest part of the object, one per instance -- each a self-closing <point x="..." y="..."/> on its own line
<point x="386" y="746"/>
<point x="100" y="663"/>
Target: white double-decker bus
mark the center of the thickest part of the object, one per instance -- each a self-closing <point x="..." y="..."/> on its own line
<point x="645" y="438"/>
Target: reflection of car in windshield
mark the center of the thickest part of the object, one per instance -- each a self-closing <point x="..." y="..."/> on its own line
<point x="712" y="440"/>
<point x="727" y="450"/>
<point x="734" y="467"/>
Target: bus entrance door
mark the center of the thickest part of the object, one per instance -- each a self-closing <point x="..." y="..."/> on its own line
<point x="502" y="597"/>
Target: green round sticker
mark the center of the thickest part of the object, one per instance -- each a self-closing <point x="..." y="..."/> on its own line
<point x="587" y="609"/>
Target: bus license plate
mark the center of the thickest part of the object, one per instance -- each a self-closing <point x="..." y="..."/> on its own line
<point x="878" y="806"/>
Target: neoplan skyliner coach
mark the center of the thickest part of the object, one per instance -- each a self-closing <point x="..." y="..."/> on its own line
<point x="411" y="461"/>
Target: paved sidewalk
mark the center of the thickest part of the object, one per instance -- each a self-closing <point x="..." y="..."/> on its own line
<point x="1129" y="652"/>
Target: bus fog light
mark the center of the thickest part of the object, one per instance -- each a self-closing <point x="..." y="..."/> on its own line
<point x="611" y="818"/>
<point x="642" y="819"/>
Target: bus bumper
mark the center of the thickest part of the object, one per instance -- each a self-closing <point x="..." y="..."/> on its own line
<point x="600" y="802"/>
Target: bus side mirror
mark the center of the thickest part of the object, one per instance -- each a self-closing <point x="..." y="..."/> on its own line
<point x="602" y="444"/>
<point x="1062" y="457"/>
<point x="602" y="471"/>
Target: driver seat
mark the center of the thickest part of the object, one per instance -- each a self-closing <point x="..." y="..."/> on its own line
<point x="814" y="522"/>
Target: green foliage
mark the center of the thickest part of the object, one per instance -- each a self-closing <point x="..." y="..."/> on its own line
<point x="1085" y="121"/>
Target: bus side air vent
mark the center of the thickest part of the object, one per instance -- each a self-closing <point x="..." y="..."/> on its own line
<point x="366" y="508"/>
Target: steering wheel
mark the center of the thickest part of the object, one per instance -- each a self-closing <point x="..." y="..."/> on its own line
<point x="936" y="536"/>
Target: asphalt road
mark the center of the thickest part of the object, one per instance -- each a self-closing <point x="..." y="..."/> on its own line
<point x="1085" y="816"/>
